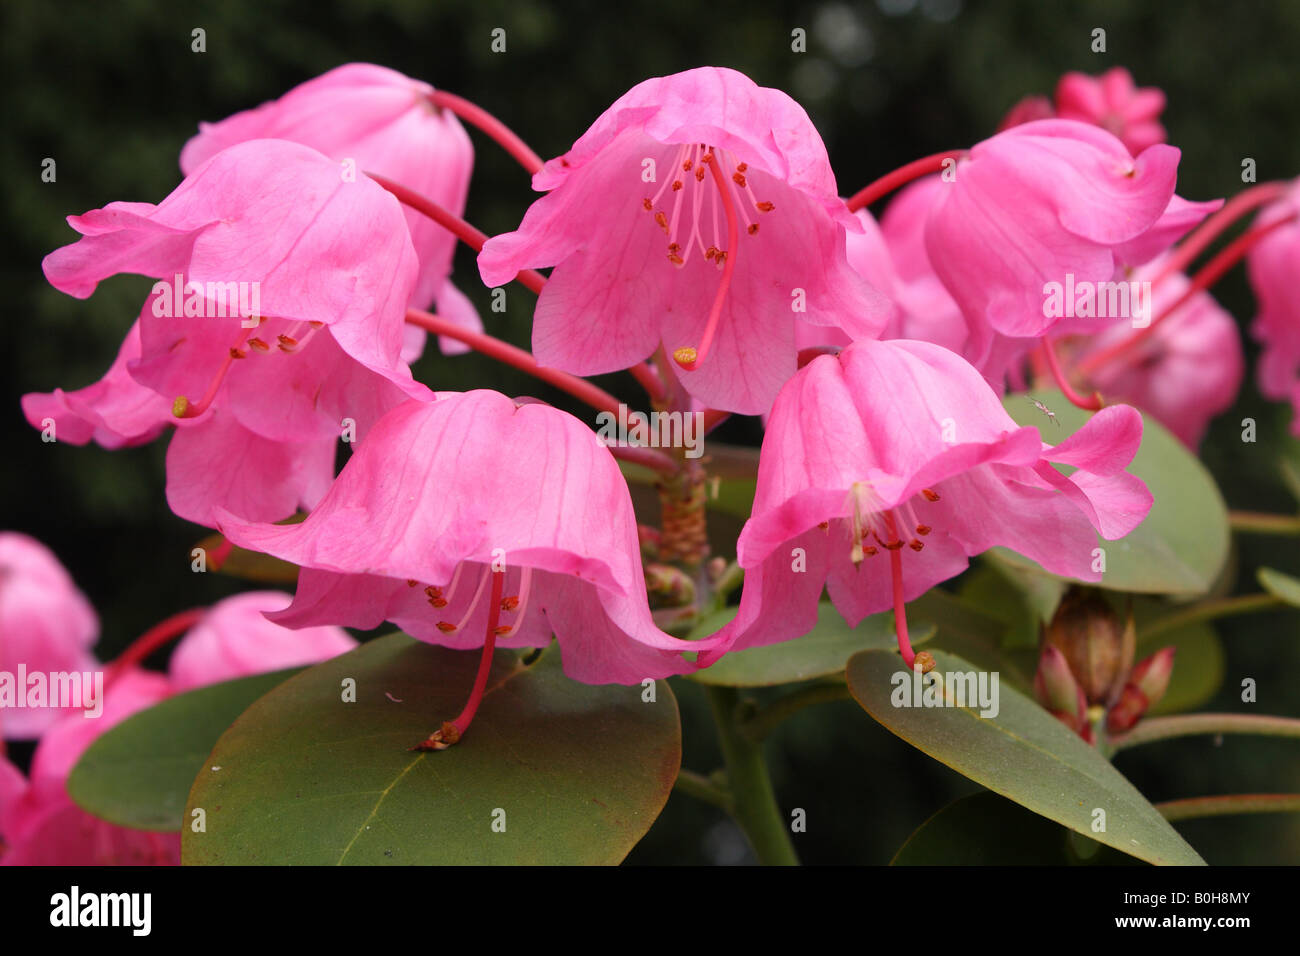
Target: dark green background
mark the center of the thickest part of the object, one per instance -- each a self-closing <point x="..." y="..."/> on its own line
<point x="112" y="90"/>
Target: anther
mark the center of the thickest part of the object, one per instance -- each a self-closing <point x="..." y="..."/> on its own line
<point x="446" y="627"/>
<point x="923" y="529"/>
<point x="677" y="184"/>
<point x="259" y="345"/>
<point x="510" y="603"/>
<point x="410" y="582"/>
<point x="647" y="204"/>
<point x="929" y="495"/>
<point x="753" y="228"/>
<point x="742" y="167"/>
<point x="738" y="179"/>
<point x="916" y="544"/>
<point x="238" y="353"/>
<point x="662" y="221"/>
<point x="764" y="206"/>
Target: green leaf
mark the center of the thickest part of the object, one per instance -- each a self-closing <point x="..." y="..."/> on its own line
<point x="985" y="829"/>
<point x="1183" y="543"/>
<point x="1281" y="586"/>
<point x="1024" y="754"/>
<point x="576" y="774"/>
<point x="138" y="774"/>
<point x="822" y="651"/>
<point x="971" y="632"/>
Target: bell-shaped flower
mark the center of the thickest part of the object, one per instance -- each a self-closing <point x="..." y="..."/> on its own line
<point x="276" y="328"/>
<point x="1051" y="202"/>
<point x="374" y="120"/>
<point x="47" y="627"/>
<point x="235" y="639"/>
<point x="502" y="521"/>
<point x="700" y="213"/>
<point x="884" y="468"/>
<point x="1116" y="104"/>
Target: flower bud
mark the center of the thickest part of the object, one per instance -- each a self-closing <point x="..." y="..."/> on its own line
<point x="669" y="586"/>
<point x="1151" y="675"/>
<point x="1098" y="649"/>
<point x="1058" y="691"/>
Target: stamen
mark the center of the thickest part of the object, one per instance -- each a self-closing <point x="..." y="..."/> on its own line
<point x="451" y="731"/>
<point x="520" y="603"/>
<point x="473" y="602"/>
<point x="181" y="407"/>
<point x="687" y="357"/>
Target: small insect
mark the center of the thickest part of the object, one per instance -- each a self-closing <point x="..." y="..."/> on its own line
<point x="1044" y="409"/>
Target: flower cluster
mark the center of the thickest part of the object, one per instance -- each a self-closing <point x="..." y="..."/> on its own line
<point x="696" y="237"/>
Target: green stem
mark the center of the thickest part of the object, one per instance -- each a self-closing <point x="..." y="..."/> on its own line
<point x="751" y="787"/>
<point x="730" y="579"/>
<point x="1166" y="728"/>
<point x="702" y="788"/>
<point x="766" y="719"/>
<point x="1194" y="807"/>
<point x="1209" y="610"/>
<point x="1257" y="522"/>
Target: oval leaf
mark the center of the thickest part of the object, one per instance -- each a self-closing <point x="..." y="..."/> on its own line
<point x="821" y="652"/>
<point x="552" y="771"/>
<point x="138" y="774"/>
<point x="987" y="830"/>
<point x="1169" y="552"/>
<point x="1023" y="753"/>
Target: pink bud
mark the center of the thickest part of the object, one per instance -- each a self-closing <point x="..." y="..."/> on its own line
<point x="1151" y="676"/>
<point x="1057" y="690"/>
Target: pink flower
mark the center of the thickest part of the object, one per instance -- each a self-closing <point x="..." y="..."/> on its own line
<point x="1113" y="102"/>
<point x="642" y="261"/>
<point x="1034" y="205"/>
<point x="1028" y="110"/>
<point x="1273" y="265"/>
<point x="234" y="639"/>
<point x="267" y="229"/>
<point x="379" y="121"/>
<point x="926" y="311"/>
<point x="46" y="626"/>
<point x="1185" y="372"/>
<point x="484" y="487"/>
<point x="901" y="447"/>
<point x="40" y="824"/>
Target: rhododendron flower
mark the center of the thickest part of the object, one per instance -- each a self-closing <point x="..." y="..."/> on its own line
<point x="899" y="452"/>
<point x="1273" y="265"/>
<point x="489" y="496"/>
<point x="46" y="626"/>
<point x="39" y="823"/>
<point x="376" y="120"/>
<point x="235" y="639"/>
<point x="325" y="268"/>
<point x="698" y="212"/>
<point x="1115" y="103"/>
<point x="1035" y="205"/>
<point x="1185" y="372"/>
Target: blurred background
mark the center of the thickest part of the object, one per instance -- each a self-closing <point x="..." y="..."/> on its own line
<point x="112" y="91"/>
